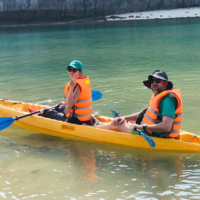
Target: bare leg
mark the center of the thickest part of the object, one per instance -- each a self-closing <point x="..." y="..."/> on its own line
<point x="121" y="128"/>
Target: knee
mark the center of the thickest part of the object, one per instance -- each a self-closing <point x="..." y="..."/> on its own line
<point x="115" y="127"/>
<point x="47" y="112"/>
<point x="60" y="108"/>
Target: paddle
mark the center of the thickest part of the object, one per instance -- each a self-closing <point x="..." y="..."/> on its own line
<point x="147" y="138"/>
<point x="7" y="121"/>
<point x="96" y="95"/>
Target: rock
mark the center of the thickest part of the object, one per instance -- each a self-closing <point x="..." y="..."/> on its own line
<point x="29" y="11"/>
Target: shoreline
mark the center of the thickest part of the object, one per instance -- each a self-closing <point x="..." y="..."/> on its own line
<point x="173" y="15"/>
<point x="157" y="14"/>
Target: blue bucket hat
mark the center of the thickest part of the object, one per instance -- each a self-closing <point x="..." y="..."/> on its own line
<point x="76" y="64"/>
<point x="160" y="75"/>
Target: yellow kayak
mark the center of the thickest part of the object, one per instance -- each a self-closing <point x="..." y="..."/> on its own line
<point x="187" y="142"/>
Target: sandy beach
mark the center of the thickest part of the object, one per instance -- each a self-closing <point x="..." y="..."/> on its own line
<point x="157" y="14"/>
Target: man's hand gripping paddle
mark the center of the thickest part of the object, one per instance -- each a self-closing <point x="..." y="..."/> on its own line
<point x="147" y="138"/>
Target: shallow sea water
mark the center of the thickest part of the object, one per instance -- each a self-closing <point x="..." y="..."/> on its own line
<point x="117" y="58"/>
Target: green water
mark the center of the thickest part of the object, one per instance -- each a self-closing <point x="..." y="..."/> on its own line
<point x="117" y="58"/>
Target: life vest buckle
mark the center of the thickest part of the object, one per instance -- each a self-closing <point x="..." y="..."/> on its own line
<point x="74" y="107"/>
<point x="74" y="115"/>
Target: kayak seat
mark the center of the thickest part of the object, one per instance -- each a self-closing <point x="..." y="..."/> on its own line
<point x="17" y="106"/>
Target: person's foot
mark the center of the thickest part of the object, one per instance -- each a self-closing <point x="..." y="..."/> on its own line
<point x="31" y="109"/>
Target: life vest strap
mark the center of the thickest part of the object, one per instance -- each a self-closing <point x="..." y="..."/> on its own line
<point x="81" y="108"/>
<point x="80" y="100"/>
<point x="78" y="115"/>
<point x="153" y="120"/>
<point x="174" y="131"/>
<point x="178" y="114"/>
<point x="84" y="100"/>
<point x="177" y="123"/>
<point x="153" y="111"/>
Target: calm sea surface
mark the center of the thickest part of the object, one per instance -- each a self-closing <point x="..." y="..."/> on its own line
<point x="117" y="58"/>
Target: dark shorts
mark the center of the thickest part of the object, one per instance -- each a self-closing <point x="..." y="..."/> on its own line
<point x="58" y="114"/>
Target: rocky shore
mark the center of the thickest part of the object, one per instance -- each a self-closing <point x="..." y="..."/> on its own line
<point x="173" y="15"/>
<point x="43" y="12"/>
<point x="157" y="14"/>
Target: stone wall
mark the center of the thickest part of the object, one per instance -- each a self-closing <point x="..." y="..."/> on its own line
<point x="20" y="11"/>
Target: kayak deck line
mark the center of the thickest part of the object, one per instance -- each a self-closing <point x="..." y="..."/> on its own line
<point x="186" y="142"/>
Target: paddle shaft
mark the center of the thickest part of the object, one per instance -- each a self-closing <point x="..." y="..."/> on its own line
<point x="118" y="115"/>
<point x="22" y="116"/>
<point x="138" y="130"/>
<point x="29" y="114"/>
<point x="148" y="139"/>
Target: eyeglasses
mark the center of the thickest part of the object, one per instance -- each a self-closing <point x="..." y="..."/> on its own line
<point x="157" y="80"/>
<point x="69" y="69"/>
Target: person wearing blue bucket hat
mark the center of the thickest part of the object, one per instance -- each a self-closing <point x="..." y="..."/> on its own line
<point x="77" y="107"/>
<point x="163" y="116"/>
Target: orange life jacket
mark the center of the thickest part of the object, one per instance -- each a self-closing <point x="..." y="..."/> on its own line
<point x="152" y="113"/>
<point x="83" y="107"/>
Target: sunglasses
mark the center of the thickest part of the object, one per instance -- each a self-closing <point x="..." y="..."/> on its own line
<point x="69" y="69"/>
<point x="157" y="80"/>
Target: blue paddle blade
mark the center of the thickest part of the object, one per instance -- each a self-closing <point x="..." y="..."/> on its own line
<point x="148" y="139"/>
<point x="5" y="122"/>
<point x="96" y="95"/>
<point x="115" y="113"/>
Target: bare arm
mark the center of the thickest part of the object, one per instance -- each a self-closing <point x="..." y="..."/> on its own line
<point x="73" y="94"/>
<point x="164" y="126"/>
<point x="121" y="120"/>
<point x="132" y="117"/>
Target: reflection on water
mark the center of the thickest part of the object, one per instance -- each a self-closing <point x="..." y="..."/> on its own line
<point x="117" y="59"/>
<point x="85" y="163"/>
<point x="45" y="167"/>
